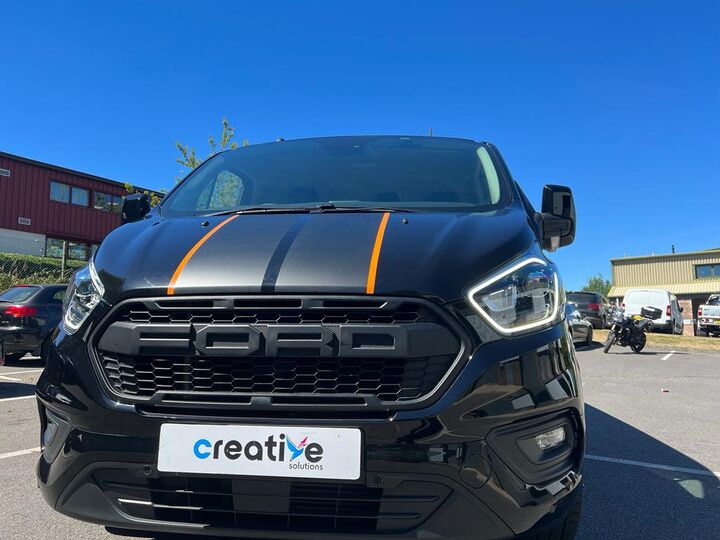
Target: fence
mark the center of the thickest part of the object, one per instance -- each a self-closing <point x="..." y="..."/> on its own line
<point x="55" y="264"/>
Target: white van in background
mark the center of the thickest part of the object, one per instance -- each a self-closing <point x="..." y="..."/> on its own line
<point x="671" y="320"/>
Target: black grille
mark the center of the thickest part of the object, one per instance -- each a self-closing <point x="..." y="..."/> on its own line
<point x="141" y="314"/>
<point x="390" y="379"/>
<point x="392" y="350"/>
<point x="266" y="504"/>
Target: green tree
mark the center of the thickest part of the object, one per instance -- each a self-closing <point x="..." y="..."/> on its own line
<point x="154" y="198"/>
<point x="598" y="284"/>
<point x="189" y="158"/>
<point x="227" y="189"/>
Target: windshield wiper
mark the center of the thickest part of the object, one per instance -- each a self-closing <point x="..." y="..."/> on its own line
<point x="330" y="207"/>
<point x="320" y="208"/>
<point x="260" y="210"/>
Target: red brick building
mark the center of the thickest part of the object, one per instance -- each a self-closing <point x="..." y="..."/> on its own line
<point x="42" y="205"/>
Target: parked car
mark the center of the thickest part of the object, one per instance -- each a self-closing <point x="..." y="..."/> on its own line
<point x="343" y="337"/>
<point x="671" y="320"/>
<point x="594" y="307"/>
<point x="28" y="314"/>
<point x="709" y="316"/>
<point x="580" y="328"/>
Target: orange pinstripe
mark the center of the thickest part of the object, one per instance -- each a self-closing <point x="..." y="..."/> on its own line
<point x="189" y="254"/>
<point x="372" y="270"/>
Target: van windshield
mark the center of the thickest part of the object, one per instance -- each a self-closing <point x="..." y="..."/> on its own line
<point x="414" y="173"/>
<point x="648" y="298"/>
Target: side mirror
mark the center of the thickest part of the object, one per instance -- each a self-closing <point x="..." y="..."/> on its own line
<point x="557" y="220"/>
<point x="135" y="207"/>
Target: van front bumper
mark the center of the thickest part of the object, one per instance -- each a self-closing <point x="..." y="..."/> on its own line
<point x="457" y="468"/>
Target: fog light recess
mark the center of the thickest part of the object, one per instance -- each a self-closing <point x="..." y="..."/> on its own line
<point x="551" y="439"/>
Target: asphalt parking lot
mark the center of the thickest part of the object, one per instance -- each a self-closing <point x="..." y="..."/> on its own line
<point x="652" y="468"/>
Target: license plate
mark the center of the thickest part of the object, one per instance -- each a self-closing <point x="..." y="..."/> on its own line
<point x="320" y="453"/>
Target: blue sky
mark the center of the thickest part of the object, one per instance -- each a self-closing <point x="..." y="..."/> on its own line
<point x="619" y="100"/>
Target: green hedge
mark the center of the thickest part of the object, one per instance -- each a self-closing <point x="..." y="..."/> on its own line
<point x="16" y="268"/>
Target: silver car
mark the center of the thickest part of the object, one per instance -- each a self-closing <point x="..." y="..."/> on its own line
<point x="580" y="328"/>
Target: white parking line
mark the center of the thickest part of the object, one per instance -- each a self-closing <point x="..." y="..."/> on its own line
<point x="17" y="398"/>
<point x="21" y="372"/>
<point x="9" y="379"/>
<point x="668" y="355"/>
<point x="652" y="465"/>
<point x="20" y="453"/>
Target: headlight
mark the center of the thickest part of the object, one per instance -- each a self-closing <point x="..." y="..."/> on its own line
<point x="521" y="297"/>
<point x="84" y="293"/>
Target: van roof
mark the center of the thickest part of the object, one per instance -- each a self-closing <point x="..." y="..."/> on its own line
<point x="648" y="290"/>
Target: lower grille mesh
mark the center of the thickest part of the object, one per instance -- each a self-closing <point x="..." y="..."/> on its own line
<point x="274" y="505"/>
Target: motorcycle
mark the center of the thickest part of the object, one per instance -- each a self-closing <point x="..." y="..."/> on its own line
<point x="629" y="331"/>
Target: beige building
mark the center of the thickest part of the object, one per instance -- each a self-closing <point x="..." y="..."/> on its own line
<point x="691" y="276"/>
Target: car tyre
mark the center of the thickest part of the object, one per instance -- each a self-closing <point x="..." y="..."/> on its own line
<point x="589" y="339"/>
<point x="14" y="357"/>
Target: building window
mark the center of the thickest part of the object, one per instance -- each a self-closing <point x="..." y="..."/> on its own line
<point x="704" y="271"/>
<point x="78" y="251"/>
<point x="103" y="201"/>
<point x="80" y="196"/>
<point x="54" y="248"/>
<point x="59" y="192"/>
<point x="107" y="202"/>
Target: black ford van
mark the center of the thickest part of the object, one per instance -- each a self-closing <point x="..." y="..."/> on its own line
<point x="343" y="337"/>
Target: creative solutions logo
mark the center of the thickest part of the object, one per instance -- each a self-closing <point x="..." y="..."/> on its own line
<point x="280" y="450"/>
<point x="296" y="450"/>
